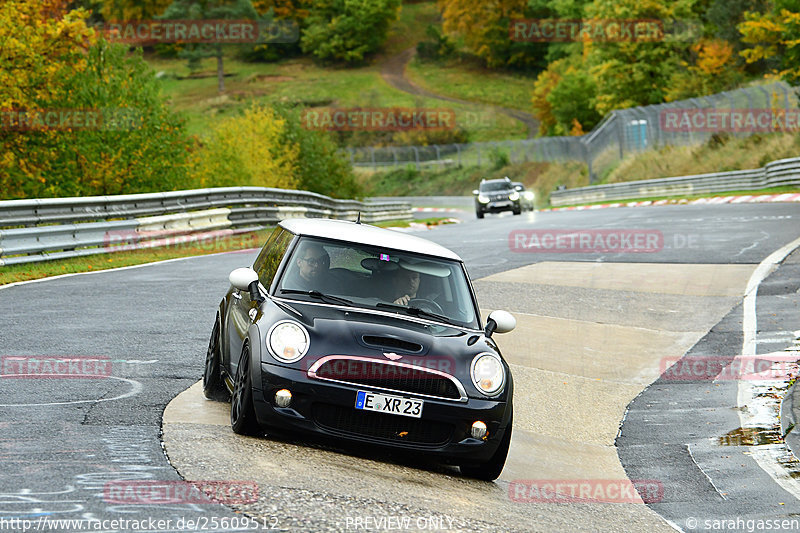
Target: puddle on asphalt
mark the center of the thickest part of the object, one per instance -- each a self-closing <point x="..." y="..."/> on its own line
<point x="751" y="437"/>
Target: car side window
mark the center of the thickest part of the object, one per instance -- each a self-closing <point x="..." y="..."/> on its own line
<point x="262" y="255"/>
<point x="266" y="265"/>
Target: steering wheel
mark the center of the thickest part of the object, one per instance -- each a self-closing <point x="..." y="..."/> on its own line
<point x="426" y="305"/>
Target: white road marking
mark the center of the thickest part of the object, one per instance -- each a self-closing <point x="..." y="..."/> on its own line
<point x="136" y="388"/>
<point x="765" y="456"/>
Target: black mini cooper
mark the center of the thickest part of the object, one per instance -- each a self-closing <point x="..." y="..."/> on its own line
<point x="363" y="334"/>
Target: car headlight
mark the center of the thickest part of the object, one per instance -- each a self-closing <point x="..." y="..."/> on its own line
<point x="482" y="198"/>
<point x="488" y="374"/>
<point x="514" y="196"/>
<point x="288" y="341"/>
<point x="528" y="195"/>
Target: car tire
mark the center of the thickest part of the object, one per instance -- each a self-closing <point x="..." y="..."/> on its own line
<point x="491" y="469"/>
<point x="479" y="214"/>
<point x="243" y="415"/>
<point x="213" y="386"/>
<point x="517" y="211"/>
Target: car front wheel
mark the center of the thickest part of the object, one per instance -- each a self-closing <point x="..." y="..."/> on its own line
<point x="213" y="386"/>
<point x="243" y="415"/>
<point x="490" y="470"/>
<point x="479" y="214"/>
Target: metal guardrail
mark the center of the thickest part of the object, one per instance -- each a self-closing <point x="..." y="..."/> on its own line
<point x="55" y="228"/>
<point x="784" y="172"/>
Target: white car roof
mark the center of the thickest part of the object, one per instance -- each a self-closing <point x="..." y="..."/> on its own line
<point x="343" y="230"/>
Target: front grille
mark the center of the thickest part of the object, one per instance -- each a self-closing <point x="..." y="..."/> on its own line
<point x="390" y="376"/>
<point x="353" y="422"/>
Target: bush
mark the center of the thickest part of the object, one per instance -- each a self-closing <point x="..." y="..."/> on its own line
<point x="439" y="46"/>
<point x="348" y="30"/>
<point x="499" y="158"/>
<point x="248" y="150"/>
<point x="321" y="167"/>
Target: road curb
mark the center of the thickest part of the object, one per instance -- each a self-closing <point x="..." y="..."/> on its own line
<point x="716" y="200"/>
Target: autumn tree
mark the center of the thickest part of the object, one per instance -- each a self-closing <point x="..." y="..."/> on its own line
<point x="42" y="44"/>
<point x="772" y="37"/>
<point x="208" y="10"/>
<point x="131" y="10"/>
<point x="484" y="27"/>
<point x="284" y="9"/>
<point x="712" y="69"/>
<point x="563" y="99"/>
<point x="633" y="73"/>
<point x="281" y="11"/>
<point x="56" y="64"/>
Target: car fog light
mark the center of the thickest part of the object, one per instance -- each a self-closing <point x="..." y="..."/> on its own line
<point x="283" y="398"/>
<point x="479" y="430"/>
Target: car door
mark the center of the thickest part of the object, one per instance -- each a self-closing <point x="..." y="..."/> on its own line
<point x="241" y="306"/>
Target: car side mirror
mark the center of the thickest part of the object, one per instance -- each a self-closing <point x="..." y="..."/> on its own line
<point x="476" y="192"/>
<point x="500" y="322"/>
<point x="246" y="279"/>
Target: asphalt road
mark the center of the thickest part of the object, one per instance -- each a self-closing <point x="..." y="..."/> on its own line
<point x="68" y="442"/>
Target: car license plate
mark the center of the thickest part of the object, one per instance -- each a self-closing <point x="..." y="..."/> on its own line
<point x="383" y="403"/>
<point x="500" y="204"/>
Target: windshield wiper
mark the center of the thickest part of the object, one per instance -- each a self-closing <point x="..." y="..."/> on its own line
<point x="319" y="296"/>
<point x="416" y="311"/>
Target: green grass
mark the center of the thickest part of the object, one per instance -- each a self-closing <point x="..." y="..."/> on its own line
<point x="302" y="83"/>
<point x="473" y="83"/>
<point x="436" y="221"/>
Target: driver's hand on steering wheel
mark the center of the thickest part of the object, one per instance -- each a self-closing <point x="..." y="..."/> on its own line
<point x="403" y="300"/>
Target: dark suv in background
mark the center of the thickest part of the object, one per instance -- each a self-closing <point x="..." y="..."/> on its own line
<point x="494" y="196"/>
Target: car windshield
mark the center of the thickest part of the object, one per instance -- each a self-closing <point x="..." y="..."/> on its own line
<point x="383" y="279"/>
<point x="494" y="186"/>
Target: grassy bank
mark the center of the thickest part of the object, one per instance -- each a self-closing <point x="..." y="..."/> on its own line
<point x="713" y="156"/>
<point x="469" y="81"/>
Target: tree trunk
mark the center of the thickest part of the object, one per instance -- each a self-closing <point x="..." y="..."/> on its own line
<point x="220" y="70"/>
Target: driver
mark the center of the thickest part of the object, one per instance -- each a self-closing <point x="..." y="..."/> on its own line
<point x="405" y="285"/>
<point x="312" y="262"/>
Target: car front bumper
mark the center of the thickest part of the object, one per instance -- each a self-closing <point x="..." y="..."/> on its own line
<point x="499" y="206"/>
<point x="327" y="409"/>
